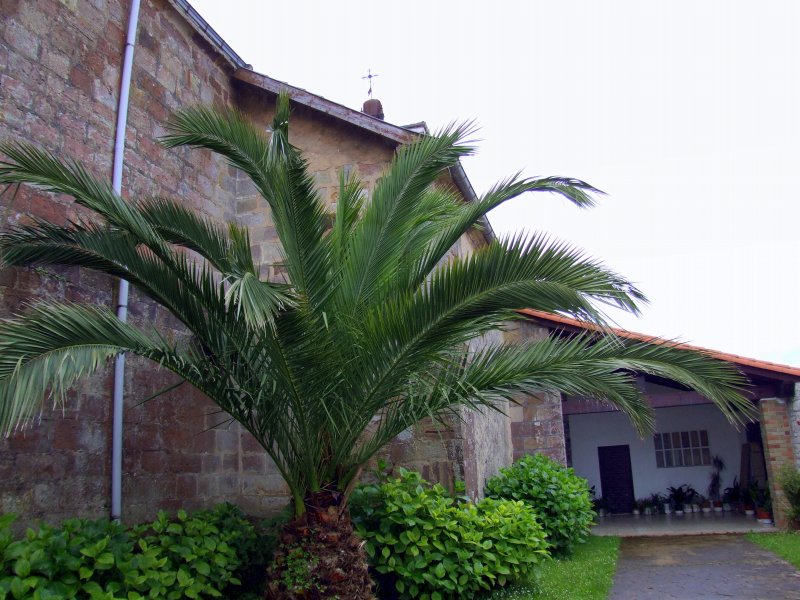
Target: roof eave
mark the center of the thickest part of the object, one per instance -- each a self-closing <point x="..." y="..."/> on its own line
<point x="570" y="324"/>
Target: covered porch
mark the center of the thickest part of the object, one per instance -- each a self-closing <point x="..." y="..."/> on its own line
<point x="690" y="432"/>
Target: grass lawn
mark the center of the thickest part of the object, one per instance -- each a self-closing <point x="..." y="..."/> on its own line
<point x="587" y="575"/>
<point x="785" y="544"/>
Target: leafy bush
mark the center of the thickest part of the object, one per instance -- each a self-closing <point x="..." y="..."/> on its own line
<point x="196" y="556"/>
<point x="425" y="544"/>
<point x="559" y="498"/>
<point x="789" y="480"/>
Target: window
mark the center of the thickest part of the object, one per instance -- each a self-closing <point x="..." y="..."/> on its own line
<point x="682" y="449"/>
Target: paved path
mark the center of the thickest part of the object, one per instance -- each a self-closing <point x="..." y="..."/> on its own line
<point x="701" y="568"/>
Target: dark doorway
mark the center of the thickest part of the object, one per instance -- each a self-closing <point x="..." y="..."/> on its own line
<point x="616" y="477"/>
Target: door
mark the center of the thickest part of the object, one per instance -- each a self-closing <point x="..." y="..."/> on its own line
<point x="616" y="477"/>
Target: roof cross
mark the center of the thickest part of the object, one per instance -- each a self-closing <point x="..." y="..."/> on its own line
<point x="370" y="76"/>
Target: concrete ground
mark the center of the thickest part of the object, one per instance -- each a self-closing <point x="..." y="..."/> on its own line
<point x="701" y="568"/>
<point x="689" y="524"/>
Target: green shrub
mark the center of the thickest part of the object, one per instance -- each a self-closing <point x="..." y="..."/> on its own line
<point x="424" y="544"/>
<point x="789" y="480"/>
<point x="196" y="556"/>
<point x="560" y="499"/>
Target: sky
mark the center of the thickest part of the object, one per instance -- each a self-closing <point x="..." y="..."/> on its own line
<point x="685" y="113"/>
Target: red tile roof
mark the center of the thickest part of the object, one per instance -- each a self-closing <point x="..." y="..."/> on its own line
<point x="557" y="320"/>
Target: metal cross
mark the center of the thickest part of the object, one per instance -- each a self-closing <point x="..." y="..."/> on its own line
<point x="370" y="76"/>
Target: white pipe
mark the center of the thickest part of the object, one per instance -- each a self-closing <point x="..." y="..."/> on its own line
<point x="122" y="301"/>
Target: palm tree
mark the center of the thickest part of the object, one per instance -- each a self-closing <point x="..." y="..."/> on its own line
<point x="369" y="333"/>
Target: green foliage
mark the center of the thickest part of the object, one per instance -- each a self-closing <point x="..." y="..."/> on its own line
<point x="560" y="499"/>
<point x="427" y="545"/>
<point x="789" y="480"/>
<point x="196" y="556"/>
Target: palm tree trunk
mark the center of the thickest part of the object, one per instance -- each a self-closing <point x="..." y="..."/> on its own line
<point x="320" y="556"/>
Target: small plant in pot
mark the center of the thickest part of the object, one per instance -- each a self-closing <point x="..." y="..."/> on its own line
<point x="657" y="502"/>
<point x="680" y="496"/>
<point x="704" y="503"/>
<point x="748" y="499"/>
<point x="763" y="503"/>
<point x="639" y="507"/>
<point x="647" y="506"/>
<point x="715" y="482"/>
<point x="732" y="496"/>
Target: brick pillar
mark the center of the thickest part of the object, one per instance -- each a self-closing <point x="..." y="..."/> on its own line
<point x="794" y="423"/>
<point x="776" y="435"/>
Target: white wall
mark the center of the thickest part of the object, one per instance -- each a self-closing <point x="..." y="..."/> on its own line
<point x="589" y="431"/>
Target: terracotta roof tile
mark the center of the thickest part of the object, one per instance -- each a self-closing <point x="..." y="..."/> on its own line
<point x="641" y="337"/>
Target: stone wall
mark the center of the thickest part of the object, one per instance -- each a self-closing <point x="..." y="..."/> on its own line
<point x="59" y="78"/>
<point x="778" y="450"/>
<point x="537" y="424"/>
<point x="59" y="81"/>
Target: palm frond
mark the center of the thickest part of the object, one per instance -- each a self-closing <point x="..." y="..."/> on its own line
<point x="577" y="191"/>
<point x="258" y="302"/>
<point x="603" y="368"/>
<point x="348" y="209"/>
<point x="43" y="353"/>
<point x="278" y="172"/>
<point x="377" y="242"/>
<point x="44" y="170"/>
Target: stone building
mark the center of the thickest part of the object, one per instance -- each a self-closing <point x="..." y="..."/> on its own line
<point x="60" y="67"/>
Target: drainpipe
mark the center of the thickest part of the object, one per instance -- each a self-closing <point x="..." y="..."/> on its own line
<point x="122" y="298"/>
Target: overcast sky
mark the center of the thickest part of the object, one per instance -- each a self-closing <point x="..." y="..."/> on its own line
<point x="685" y="112"/>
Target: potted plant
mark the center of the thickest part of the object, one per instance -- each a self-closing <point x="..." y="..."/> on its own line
<point x="677" y="498"/>
<point x="647" y="506"/>
<point x="639" y="506"/>
<point x="705" y="504"/>
<point x="715" y="482"/>
<point x="732" y="496"/>
<point x="748" y="498"/>
<point x="693" y="499"/>
<point x="600" y="506"/>
<point x="658" y="503"/>
<point x="681" y="496"/>
<point x="763" y="503"/>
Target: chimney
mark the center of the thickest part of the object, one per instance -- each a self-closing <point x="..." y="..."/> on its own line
<point x="373" y="108"/>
